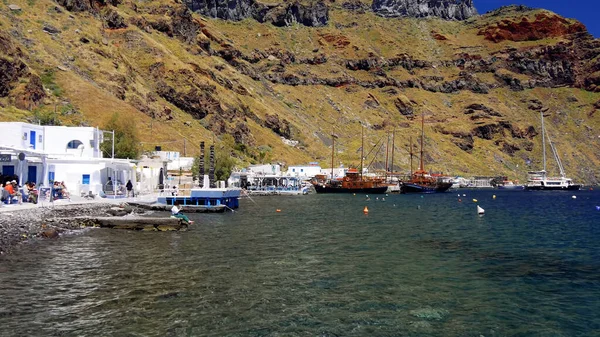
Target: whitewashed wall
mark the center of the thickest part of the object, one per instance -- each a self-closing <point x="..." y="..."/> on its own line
<point x="303" y="171"/>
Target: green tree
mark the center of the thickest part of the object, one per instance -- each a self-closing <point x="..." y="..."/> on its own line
<point x="224" y="163"/>
<point x="127" y="144"/>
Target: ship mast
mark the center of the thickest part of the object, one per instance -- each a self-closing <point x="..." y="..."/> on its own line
<point x="393" y="142"/>
<point x="543" y="142"/>
<point x="410" y="151"/>
<point x="332" y="150"/>
<point x="421" y="168"/>
<point x="362" y="148"/>
<point x="387" y="151"/>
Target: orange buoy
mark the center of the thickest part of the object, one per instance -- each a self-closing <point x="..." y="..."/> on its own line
<point x="366" y="210"/>
<point x="278" y="210"/>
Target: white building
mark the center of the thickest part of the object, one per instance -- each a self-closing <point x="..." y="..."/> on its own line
<point x="338" y="172"/>
<point x="264" y="169"/>
<point x="43" y="154"/>
<point x="304" y="171"/>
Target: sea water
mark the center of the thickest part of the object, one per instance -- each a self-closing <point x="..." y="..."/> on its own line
<point x="415" y="265"/>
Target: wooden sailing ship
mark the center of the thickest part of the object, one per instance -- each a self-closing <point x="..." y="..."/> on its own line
<point x="421" y="181"/>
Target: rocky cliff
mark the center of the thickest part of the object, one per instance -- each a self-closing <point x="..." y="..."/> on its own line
<point x="445" y="9"/>
<point x="313" y="14"/>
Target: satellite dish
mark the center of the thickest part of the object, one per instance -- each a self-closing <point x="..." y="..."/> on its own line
<point x="21" y="156"/>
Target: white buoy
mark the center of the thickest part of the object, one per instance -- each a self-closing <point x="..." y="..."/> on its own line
<point x="480" y="210"/>
<point x="574" y="197"/>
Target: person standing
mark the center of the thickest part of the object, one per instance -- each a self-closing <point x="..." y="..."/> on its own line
<point x="129" y="187"/>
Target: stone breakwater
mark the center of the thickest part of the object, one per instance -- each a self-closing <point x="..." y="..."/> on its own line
<point x="48" y="222"/>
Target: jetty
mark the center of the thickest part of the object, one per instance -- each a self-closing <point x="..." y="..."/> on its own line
<point x="182" y="207"/>
<point x="134" y="223"/>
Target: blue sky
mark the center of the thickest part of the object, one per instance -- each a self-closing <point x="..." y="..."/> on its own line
<point x="586" y="11"/>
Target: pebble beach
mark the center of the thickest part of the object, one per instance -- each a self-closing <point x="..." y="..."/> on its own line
<point x="20" y="223"/>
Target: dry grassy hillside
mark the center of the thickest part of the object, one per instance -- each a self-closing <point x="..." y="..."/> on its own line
<point x="279" y="92"/>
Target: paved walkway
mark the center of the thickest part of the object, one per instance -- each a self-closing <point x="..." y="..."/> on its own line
<point x="150" y="198"/>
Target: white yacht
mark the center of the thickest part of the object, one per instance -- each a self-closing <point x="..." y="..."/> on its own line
<point x="539" y="180"/>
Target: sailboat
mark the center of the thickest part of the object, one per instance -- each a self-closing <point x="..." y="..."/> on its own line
<point x="352" y="182"/>
<point x="539" y="180"/>
<point x="421" y="181"/>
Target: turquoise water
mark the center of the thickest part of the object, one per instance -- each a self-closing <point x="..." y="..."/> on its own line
<point x="414" y="266"/>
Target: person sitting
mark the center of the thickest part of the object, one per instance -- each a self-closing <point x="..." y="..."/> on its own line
<point x="57" y="191"/>
<point x="4" y="195"/>
<point x="64" y="190"/>
<point x="175" y="212"/>
<point x="32" y="195"/>
<point x="13" y="191"/>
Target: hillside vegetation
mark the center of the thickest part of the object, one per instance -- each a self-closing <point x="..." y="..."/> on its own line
<point x="266" y="92"/>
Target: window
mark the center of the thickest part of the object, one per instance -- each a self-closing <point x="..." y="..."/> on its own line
<point x="301" y="170"/>
<point x="40" y="139"/>
<point x="24" y="135"/>
<point x="85" y="179"/>
<point x="74" y="144"/>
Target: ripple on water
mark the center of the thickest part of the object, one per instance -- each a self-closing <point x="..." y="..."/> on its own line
<point x="427" y="266"/>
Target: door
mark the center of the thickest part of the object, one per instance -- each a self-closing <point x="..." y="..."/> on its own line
<point x="32" y="174"/>
<point x="32" y="139"/>
<point x="8" y="170"/>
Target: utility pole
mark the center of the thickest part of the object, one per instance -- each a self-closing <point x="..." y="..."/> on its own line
<point x="184" y="147"/>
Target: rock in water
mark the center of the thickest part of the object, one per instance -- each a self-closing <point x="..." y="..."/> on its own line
<point x="50" y="233"/>
<point x="445" y="9"/>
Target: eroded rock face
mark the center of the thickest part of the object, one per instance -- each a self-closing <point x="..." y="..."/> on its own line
<point x="86" y="5"/>
<point x="314" y="14"/>
<point x="280" y="127"/>
<point x="445" y="9"/>
<point x="523" y="29"/>
<point x="33" y="94"/>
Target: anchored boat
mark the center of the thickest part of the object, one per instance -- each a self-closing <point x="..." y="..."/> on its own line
<point x="421" y="181"/>
<point x="352" y="182"/>
<point x="539" y="180"/>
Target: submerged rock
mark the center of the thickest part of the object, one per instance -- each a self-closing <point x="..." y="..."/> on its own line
<point x="430" y="313"/>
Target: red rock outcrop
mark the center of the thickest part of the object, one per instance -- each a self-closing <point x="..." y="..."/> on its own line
<point x="544" y="26"/>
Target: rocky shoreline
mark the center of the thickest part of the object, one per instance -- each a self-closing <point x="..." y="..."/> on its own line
<point x="49" y="222"/>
